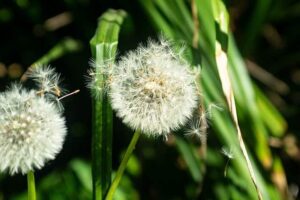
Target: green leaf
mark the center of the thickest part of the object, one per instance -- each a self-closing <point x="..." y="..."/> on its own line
<point x="190" y="156"/>
<point x="254" y="124"/>
<point x="82" y="170"/>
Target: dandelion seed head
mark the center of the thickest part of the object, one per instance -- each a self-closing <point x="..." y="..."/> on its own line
<point x="32" y="130"/>
<point x="152" y="89"/>
<point x="47" y="80"/>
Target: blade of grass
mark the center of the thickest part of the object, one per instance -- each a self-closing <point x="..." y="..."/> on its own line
<point x="254" y="27"/>
<point x="279" y="178"/>
<point x="246" y="96"/>
<point x="273" y="120"/>
<point x="190" y="157"/>
<point x="224" y="129"/>
<point x="185" y="13"/>
<point x="210" y="77"/>
<point x="157" y="18"/>
<point x="103" y="47"/>
<point x="168" y="9"/>
<point x="222" y="21"/>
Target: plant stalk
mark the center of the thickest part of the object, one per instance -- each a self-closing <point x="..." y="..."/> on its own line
<point x="123" y="165"/>
<point x="104" y="47"/>
<point x="31" y="186"/>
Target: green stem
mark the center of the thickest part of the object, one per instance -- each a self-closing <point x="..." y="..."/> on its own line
<point x="104" y="47"/>
<point x="101" y="147"/>
<point x="123" y="165"/>
<point x="31" y="186"/>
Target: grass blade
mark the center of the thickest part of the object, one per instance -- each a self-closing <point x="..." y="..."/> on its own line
<point x="247" y="100"/>
<point x="222" y="21"/>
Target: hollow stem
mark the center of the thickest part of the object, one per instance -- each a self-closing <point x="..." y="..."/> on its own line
<point x="123" y="165"/>
<point x="31" y="186"/>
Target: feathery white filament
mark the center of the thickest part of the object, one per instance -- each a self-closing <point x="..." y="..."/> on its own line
<point x="32" y="130"/>
<point x="153" y="90"/>
<point x="98" y="79"/>
<point x="47" y="80"/>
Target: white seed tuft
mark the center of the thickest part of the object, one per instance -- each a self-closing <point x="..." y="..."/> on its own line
<point x="230" y="155"/>
<point x="47" y="80"/>
<point x="197" y="127"/>
<point x="227" y="152"/>
<point x="32" y="130"/>
<point x="99" y="77"/>
<point x="152" y="89"/>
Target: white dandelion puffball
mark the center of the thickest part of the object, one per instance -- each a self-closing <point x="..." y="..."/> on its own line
<point x="32" y="130"/>
<point x="153" y="90"/>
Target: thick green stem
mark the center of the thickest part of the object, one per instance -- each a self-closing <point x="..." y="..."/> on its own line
<point x="123" y="165"/>
<point x="101" y="147"/>
<point x="31" y="186"/>
<point x="103" y="47"/>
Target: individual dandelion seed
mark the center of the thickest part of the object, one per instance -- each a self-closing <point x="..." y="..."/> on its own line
<point x="208" y="113"/>
<point x="32" y="130"/>
<point x="229" y="154"/>
<point x="196" y="128"/>
<point x="153" y="89"/>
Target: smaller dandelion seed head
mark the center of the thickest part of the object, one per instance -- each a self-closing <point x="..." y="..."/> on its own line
<point x="32" y="130"/>
<point x="47" y="80"/>
<point x="152" y="89"/>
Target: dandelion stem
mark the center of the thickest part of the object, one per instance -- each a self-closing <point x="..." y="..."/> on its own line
<point x="123" y="165"/>
<point x="31" y="186"/>
<point x="104" y="46"/>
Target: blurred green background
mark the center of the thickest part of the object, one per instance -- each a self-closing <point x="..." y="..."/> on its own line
<point x="266" y="34"/>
